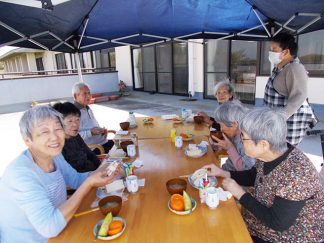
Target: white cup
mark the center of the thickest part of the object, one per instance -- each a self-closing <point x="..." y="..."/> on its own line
<point x="132" y="184"/>
<point x="131" y="150"/>
<point x="178" y="142"/>
<point x="212" y="199"/>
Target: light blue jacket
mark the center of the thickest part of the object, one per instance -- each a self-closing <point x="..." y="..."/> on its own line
<point x="30" y="199"/>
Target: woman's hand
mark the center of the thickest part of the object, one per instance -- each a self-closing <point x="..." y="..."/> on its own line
<point x="230" y="185"/>
<point x="100" y="178"/>
<point x="213" y="170"/>
<point x="225" y="143"/>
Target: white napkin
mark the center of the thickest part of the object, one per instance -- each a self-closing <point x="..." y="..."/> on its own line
<point x="115" y="186"/>
<point x="141" y="182"/>
<point x="168" y="117"/>
<point x="121" y="132"/>
<point x="137" y="163"/>
<point x="223" y="195"/>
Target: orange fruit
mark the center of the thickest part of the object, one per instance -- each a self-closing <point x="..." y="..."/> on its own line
<point x="115" y="227"/>
<point x="115" y="224"/>
<point x="177" y="202"/>
<point x="115" y="231"/>
<point x="175" y="197"/>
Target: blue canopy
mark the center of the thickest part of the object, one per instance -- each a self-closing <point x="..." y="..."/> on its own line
<point x="84" y="25"/>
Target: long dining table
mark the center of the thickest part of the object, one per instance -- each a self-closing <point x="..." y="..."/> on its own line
<point x="146" y="212"/>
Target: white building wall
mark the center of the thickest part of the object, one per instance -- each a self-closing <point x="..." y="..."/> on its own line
<point x="124" y="64"/>
<point x="49" y="61"/>
<point x="31" y="62"/>
<point x="197" y="60"/>
<point x="22" y="90"/>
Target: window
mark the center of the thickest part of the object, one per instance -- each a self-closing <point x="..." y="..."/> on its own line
<point x="106" y="59"/>
<point x="265" y="65"/>
<point x="180" y="66"/>
<point x="162" y="68"/>
<point x="236" y="60"/>
<point x="217" y="66"/>
<point x="149" y="68"/>
<point x="39" y="65"/>
<point x="243" y="69"/>
<point x="311" y="52"/>
<point x="60" y="63"/>
<point x="112" y="58"/>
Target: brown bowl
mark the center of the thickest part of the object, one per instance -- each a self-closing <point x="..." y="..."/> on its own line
<point x="124" y="125"/>
<point x="198" y="119"/>
<point x="176" y="186"/>
<point x="110" y="204"/>
<point x="217" y="134"/>
<point x="124" y="144"/>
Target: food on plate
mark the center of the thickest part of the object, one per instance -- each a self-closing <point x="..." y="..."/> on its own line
<point x="183" y="135"/>
<point x="194" y="151"/>
<point x="115" y="227"/>
<point x="181" y="203"/>
<point x="187" y="201"/>
<point x="148" y="120"/>
<point x="103" y="231"/>
<point x="177" y="202"/>
<point x="198" y="175"/>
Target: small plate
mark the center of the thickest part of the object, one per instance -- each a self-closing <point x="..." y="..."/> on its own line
<point x="96" y="228"/>
<point x="193" y="202"/>
<point x="212" y="181"/>
<point x="190" y="137"/>
<point x="202" y="149"/>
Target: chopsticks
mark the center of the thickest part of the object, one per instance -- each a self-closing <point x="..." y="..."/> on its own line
<point x="86" y="212"/>
<point x="184" y="176"/>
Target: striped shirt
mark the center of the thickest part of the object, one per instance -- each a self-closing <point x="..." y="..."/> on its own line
<point x="30" y="198"/>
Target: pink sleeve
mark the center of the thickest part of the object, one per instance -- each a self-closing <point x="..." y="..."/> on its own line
<point x="235" y="158"/>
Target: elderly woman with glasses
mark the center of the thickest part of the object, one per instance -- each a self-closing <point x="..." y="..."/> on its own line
<point x="287" y="203"/>
<point x="228" y="116"/>
<point x="223" y="92"/>
<point x="34" y="204"/>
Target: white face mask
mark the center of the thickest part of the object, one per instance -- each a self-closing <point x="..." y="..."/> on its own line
<point x="274" y="57"/>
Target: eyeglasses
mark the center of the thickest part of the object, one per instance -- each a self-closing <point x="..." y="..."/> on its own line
<point x="242" y="137"/>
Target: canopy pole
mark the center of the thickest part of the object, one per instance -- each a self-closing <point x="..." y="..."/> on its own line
<point x="285" y="27"/>
<point x="84" y="29"/>
<point x="23" y="36"/>
<point x="77" y="60"/>
<point x="285" y="24"/>
<point x="266" y="29"/>
<point x="308" y="24"/>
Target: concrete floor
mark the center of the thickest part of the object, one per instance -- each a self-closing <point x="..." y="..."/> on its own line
<point x="109" y="114"/>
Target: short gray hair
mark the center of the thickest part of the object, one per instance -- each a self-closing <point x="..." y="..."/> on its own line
<point x="224" y="83"/>
<point x="266" y="124"/>
<point x="33" y="116"/>
<point x="230" y="112"/>
<point x="77" y="87"/>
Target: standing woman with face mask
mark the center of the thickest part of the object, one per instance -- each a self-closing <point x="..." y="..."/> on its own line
<point x="286" y="88"/>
